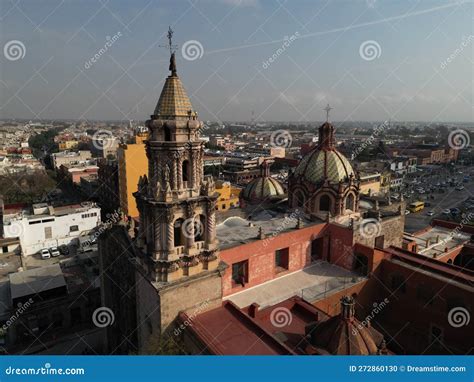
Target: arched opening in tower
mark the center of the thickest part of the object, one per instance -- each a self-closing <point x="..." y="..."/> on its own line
<point x="299" y="199"/>
<point x="167" y="132"/>
<point x="350" y="202"/>
<point x="185" y="171"/>
<point x="200" y="228"/>
<point x="179" y="238"/>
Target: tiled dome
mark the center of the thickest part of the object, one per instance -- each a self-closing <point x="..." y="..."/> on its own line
<point x="324" y="163"/>
<point x="262" y="188"/>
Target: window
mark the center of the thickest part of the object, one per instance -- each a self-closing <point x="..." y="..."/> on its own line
<point x="350" y="202"/>
<point x="74" y="228"/>
<point x="240" y="273"/>
<point x="185" y="168"/>
<point x="5" y="249"/>
<point x="398" y="283"/>
<point x="48" y="232"/>
<point x="379" y="241"/>
<point x="324" y="203"/>
<point x="282" y="259"/>
<point x="179" y="238"/>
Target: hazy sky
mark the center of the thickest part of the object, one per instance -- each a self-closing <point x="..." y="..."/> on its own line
<point x="370" y="59"/>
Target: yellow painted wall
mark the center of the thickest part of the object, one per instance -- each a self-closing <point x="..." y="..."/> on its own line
<point x="228" y="196"/>
<point x="374" y="187"/>
<point x="67" y="145"/>
<point x="133" y="163"/>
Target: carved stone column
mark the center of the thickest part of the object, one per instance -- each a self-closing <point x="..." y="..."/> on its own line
<point x="174" y="173"/>
<point x="210" y="224"/>
<point x="169" y="219"/>
<point x="189" y="229"/>
<point x="177" y="156"/>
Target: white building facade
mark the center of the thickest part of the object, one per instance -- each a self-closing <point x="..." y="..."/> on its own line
<point x="49" y="226"/>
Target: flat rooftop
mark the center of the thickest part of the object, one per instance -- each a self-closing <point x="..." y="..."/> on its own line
<point x="36" y="280"/>
<point x="236" y="231"/>
<point x="311" y="283"/>
<point x="433" y="242"/>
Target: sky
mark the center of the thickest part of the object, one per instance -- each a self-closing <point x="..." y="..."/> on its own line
<point x="267" y="60"/>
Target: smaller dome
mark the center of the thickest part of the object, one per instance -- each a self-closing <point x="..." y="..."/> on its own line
<point x="262" y="188"/>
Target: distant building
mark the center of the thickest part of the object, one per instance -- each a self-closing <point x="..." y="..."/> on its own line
<point x="108" y="187"/>
<point x="228" y="196"/>
<point x="68" y="145"/>
<point x="132" y="163"/>
<point x="70" y="157"/>
<point x="370" y="183"/>
<point x="73" y="173"/>
<point x="105" y="146"/>
<point x="45" y="226"/>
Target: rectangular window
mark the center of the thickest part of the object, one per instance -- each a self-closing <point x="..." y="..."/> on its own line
<point x="74" y="228"/>
<point x="282" y="259"/>
<point x="5" y="249"/>
<point x="48" y="232"/>
<point x="240" y="273"/>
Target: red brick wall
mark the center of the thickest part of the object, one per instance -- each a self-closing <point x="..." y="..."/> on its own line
<point x="261" y="256"/>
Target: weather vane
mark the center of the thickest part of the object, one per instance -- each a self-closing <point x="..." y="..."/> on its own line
<point x="327" y="109"/>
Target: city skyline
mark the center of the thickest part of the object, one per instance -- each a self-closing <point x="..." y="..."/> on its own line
<point x="371" y="60"/>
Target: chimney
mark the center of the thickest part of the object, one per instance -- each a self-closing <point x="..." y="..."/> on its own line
<point x="253" y="310"/>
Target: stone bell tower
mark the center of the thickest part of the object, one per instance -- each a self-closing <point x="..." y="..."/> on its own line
<point x="176" y="202"/>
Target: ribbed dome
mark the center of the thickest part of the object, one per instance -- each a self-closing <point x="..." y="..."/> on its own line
<point x="262" y="188"/>
<point x="324" y="163"/>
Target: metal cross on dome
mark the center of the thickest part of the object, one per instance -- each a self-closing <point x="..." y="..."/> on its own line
<point x="327" y="109"/>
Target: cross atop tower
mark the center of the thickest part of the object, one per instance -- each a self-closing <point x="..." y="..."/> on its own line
<point x="327" y="109"/>
<point x="170" y="45"/>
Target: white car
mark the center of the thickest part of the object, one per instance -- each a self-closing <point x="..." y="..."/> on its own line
<point x="447" y="212"/>
<point x="54" y="251"/>
<point x="430" y="213"/>
<point x="45" y="254"/>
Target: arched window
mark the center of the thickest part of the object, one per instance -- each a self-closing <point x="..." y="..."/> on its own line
<point x="299" y="199"/>
<point x="179" y="238"/>
<point x="185" y="172"/>
<point x="167" y="132"/>
<point x="325" y="203"/>
<point x="350" y="202"/>
<point x="200" y="228"/>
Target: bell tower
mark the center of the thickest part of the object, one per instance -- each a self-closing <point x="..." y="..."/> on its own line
<point x="176" y="202"/>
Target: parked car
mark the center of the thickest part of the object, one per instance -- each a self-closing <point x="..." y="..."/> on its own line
<point x="45" y="254"/>
<point x="54" y="251"/>
<point x="459" y="188"/>
<point x="447" y="212"/>
<point x="430" y="213"/>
